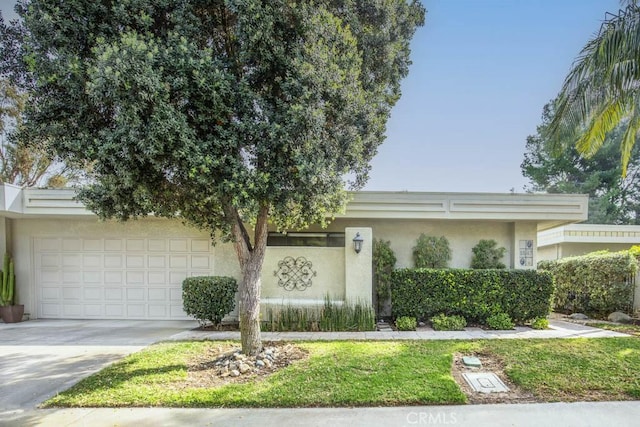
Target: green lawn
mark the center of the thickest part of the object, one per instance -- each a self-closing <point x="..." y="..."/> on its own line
<point x="377" y="373"/>
<point x="625" y="329"/>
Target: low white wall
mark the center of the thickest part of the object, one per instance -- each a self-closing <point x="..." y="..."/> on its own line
<point x="327" y="267"/>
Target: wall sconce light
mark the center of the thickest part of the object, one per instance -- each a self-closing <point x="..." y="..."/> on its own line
<point x="357" y="243"/>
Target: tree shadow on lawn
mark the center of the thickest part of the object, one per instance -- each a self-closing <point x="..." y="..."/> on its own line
<point x="336" y="374"/>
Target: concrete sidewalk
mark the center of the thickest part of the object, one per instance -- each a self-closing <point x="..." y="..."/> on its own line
<point x="558" y="329"/>
<point x="582" y="414"/>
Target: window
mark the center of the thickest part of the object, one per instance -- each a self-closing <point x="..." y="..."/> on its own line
<point x="330" y="240"/>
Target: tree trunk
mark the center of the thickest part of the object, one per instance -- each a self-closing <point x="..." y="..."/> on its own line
<point x="250" y="306"/>
<point x="250" y="258"/>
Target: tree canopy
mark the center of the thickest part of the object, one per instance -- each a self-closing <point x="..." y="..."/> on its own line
<point x="223" y="113"/>
<point x="613" y="199"/>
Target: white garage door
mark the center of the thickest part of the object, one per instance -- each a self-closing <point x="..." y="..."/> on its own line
<point x="116" y="278"/>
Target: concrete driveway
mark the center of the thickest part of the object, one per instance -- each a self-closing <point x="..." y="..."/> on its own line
<point x="41" y="358"/>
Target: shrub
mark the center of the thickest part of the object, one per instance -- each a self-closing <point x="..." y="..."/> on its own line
<point x="209" y="297"/>
<point x="384" y="261"/>
<point x="406" y="323"/>
<point x="448" y="323"/>
<point x="500" y="321"/>
<point x="431" y="252"/>
<point x="486" y="254"/>
<point x="595" y="284"/>
<point x="540" y="323"/>
<point x="473" y="294"/>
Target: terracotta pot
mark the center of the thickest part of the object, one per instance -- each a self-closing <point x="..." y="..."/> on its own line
<point x="12" y="313"/>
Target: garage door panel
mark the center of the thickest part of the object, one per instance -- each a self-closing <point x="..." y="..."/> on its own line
<point x="200" y="245"/>
<point x="93" y="310"/>
<point x="72" y="245"/>
<point x="157" y="261"/>
<point x="71" y="277"/>
<point x="71" y="261"/>
<point x="157" y="245"/>
<point x="135" y="278"/>
<point x="135" y="261"/>
<point x="113" y="245"/>
<point x="50" y="310"/>
<point x="72" y="310"/>
<point x="92" y="277"/>
<point x="113" y="261"/>
<point x="113" y="294"/>
<point x="92" y="261"/>
<point x="49" y="294"/>
<point x="114" y="310"/>
<point x="157" y="278"/>
<point x="178" y="245"/>
<point x="111" y="277"/>
<point x="89" y="245"/>
<point x="136" y="245"/>
<point x="49" y="260"/>
<point x="49" y="277"/>
<point x="157" y="294"/>
<point x="72" y="293"/>
<point x="136" y="311"/>
<point x="93" y="294"/>
<point x="115" y="278"/>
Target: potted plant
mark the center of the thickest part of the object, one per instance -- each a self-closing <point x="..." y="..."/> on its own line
<point x="10" y="312"/>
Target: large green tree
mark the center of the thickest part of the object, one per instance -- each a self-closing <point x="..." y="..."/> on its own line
<point x="602" y="90"/>
<point x="230" y="114"/>
<point x="22" y="163"/>
<point x="613" y="199"/>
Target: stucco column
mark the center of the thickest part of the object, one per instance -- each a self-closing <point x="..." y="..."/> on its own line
<point x="525" y="245"/>
<point x="358" y="266"/>
<point x="4" y="236"/>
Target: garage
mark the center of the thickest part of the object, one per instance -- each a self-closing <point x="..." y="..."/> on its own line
<point x="116" y="277"/>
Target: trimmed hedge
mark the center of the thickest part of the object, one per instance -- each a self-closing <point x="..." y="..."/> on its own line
<point x="595" y="284"/>
<point x="473" y="294"/>
<point x="209" y="297"/>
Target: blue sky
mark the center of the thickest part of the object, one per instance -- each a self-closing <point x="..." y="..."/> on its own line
<point x="482" y="71"/>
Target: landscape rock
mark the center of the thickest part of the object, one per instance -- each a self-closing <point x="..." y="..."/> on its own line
<point x="244" y="368"/>
<point x="619" y="317"/>
<point x="579" y="316"/>
<point x="235" y="373"/>
<point x="260" y="364"/>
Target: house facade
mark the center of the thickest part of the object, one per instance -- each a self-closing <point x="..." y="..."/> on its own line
<point x="580" y="239"/>
<point x="70" y="265"/>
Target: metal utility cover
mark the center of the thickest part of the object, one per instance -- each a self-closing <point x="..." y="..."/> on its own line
<point x="471" y="361"/>
<point x="485" y="382"/>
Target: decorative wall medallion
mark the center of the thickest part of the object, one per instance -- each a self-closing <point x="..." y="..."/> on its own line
<point x="294" y="273"/>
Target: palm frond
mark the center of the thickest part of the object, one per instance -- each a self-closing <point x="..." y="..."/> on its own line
<point x="603" y="86"/>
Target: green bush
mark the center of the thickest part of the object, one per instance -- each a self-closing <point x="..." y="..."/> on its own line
<point x="486" y="254"/>
<point x="473" y="294"/>
<point x="595" y="284"/>
<point x="406" y="323"/>
<point x="209" y="297"/>
<point x="500" y="321"/>
<point x="384" y="262"/>
<point x="448" y="323"/>
<point x="540" y="323"/>
<point x="431" y="252"/>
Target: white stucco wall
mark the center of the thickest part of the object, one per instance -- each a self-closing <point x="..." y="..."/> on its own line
<point x="563" y="250"/>
<point x="327" y="263"/>
<point x="462" y="236"/>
